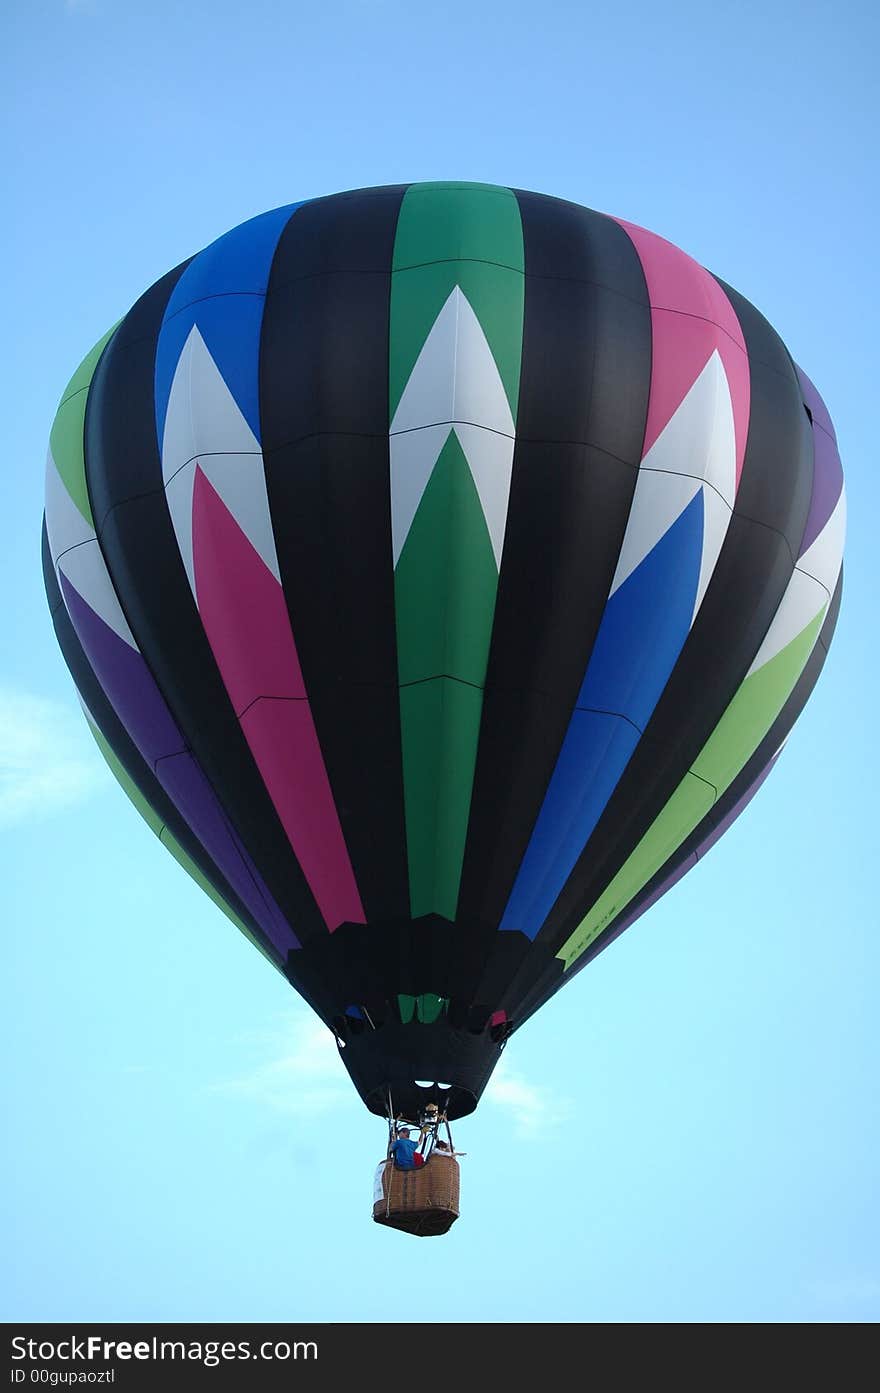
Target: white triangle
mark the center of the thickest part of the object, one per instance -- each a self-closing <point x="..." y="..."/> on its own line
<point x="76" y="555"/>
<point x="429" y="395"/>
<point x="659" y="501"/>
<point x="696" y="448"/>
<point x="716" y="520"/>
<point x="810" y="588"/>
<point x="699" y="439"/>
<point x="65" y="525"/>
<point x="490" y="457"/>
<point x="86" y="570"/>
<point x="203" y="417"/>
<point x="803" y="600"/>
<point x="204" y="425"/>
<point x="413" y="456"/>
<point x="455" y="380"/>
<point x="824" y="555"/>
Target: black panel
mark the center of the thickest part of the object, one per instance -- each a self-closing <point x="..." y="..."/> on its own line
<point x="325" y="422"/>
<point x="128" y="754"/>
<point x="586" y="370"/>
<point x="124" y="476"/>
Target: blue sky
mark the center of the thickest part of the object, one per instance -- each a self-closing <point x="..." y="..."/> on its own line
<point x="690" y="1131"/>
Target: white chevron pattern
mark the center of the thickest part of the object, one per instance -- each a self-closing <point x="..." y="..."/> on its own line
<point x="204" y="427"/>
<point x="695" y="450"/>
<point x="454" y="386"/>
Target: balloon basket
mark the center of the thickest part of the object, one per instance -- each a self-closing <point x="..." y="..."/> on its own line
<point x="424" y="1202"/>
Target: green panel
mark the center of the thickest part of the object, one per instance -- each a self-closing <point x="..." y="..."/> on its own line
<point x="406" y="1005"/>
<point x="155" y="823"/>
<point x="743" y="726"/>
<point x="440" y="725"/>
<point x="467" y="235"/>
<point x="446" y="580"/>
<point x="445" y="588"/>
<point x="429" y="1007"/>
<point x="66" y="436"/>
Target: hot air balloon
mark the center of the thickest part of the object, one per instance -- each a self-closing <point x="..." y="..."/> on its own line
<point x="441" y="569"/>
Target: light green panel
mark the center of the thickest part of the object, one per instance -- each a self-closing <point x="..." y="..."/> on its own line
<point x="155" y="823"/>
<point x="688" y="805"/>
<point x="452" y="235"/>
<point x="446" y="580"/>
<point x="754" y="709"/>
<point x="741" y="729"/>
<point x="440" y="724"/>
<point x="66" y="436"/>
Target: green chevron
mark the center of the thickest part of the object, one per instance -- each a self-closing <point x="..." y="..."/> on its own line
<point x="446" y="579"/>
<point x="66" y="436"/>
<point x="445" y="587"/>
<point x="741" y="729"/>
<point x="155" y="823"/>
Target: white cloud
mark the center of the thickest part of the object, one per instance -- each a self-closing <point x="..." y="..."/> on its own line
<point x="533" y="1110"/>
<point x="48" y="760"/>
<point x="302" y="1075"/>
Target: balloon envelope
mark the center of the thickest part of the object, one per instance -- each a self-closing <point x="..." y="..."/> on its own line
<point x="441" y="568"/>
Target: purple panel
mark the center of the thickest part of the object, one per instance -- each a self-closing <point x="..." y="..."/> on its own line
<point x="818" y="409"/>
<point x="124" y="675"/>
<point x="827" y="472"/>
<point x="189" y="790"/>
<point x="139" y="704"/>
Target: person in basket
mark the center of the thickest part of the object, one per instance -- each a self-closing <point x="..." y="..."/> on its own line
<point x="403" y="1149"/>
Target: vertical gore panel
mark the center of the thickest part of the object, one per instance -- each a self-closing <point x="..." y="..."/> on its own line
<point x="455" y="347"/>
<point x="583" y="401"/>
<point x="324" y="413"/>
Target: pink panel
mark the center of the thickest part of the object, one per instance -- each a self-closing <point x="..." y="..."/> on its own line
<point x="285" y="746"/>
<point x="241" y="604"/>
<point x="690" y="318"/>
<point x="245" y="618"/>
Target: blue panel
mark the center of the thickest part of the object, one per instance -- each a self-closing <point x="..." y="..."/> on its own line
<point x="640" y="638"/>
<point x="645" y="624"/>
<point x="223" y="291"/>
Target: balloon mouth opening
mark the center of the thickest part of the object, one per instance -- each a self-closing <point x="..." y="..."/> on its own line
<point x="411" y="1097"/>
<point x="401" y="1069"/>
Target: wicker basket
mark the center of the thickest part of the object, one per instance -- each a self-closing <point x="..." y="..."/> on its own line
<point x="423" y="1201"/>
